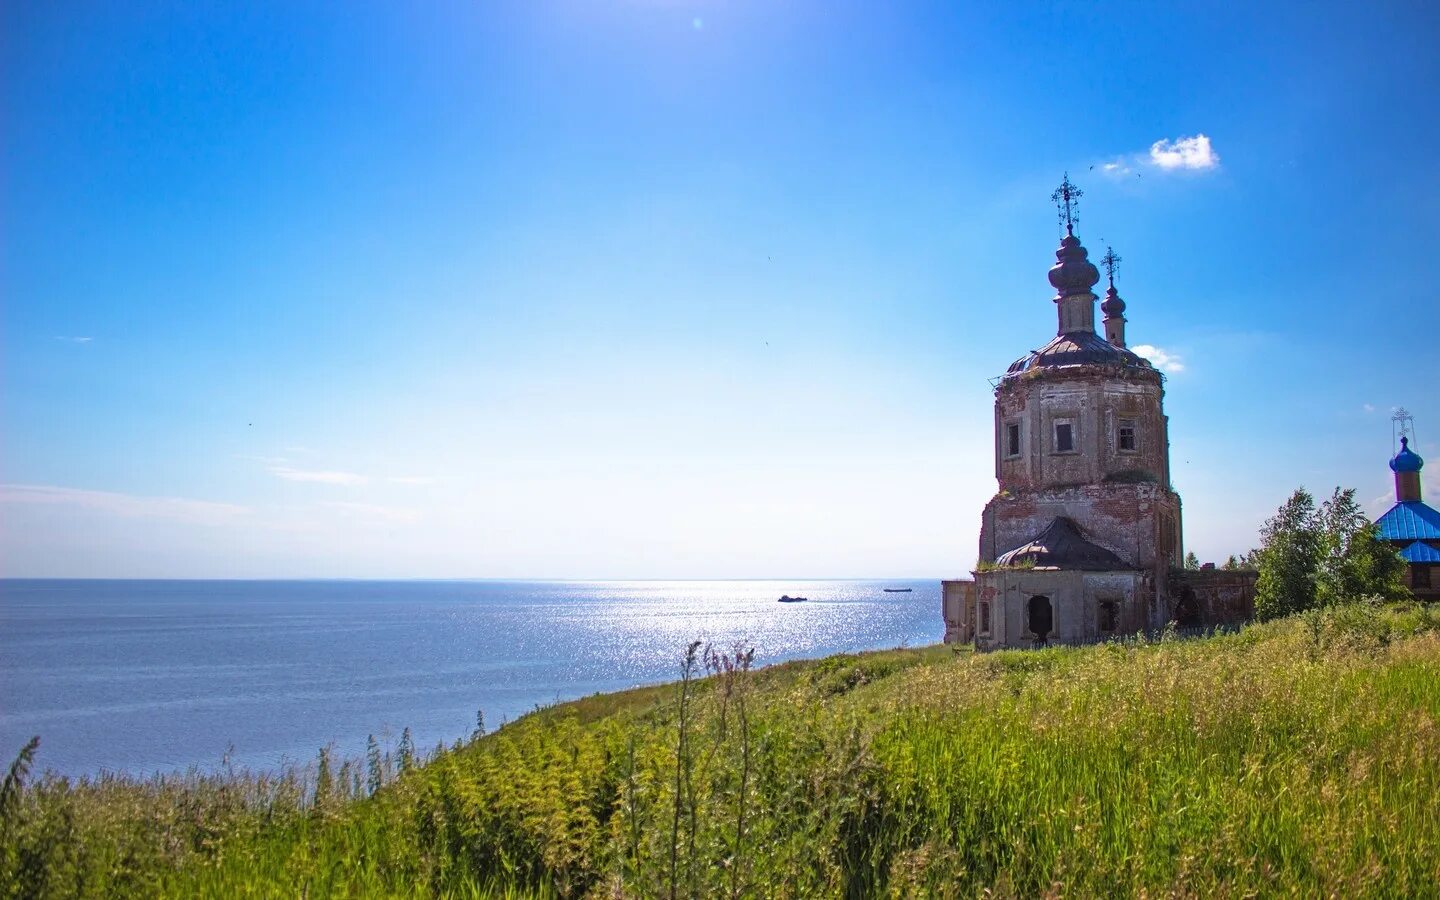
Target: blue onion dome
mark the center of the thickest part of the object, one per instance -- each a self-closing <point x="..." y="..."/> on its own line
<point x="1078" y="348"/>
<point x="1073" y="272"/>
<point x="1112" y="306"/>
<point x="1406" y="460"/>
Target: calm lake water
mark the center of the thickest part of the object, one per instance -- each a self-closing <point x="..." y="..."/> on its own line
<point x="141" y="676"/>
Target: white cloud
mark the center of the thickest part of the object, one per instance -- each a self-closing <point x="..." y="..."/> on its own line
<point x="1184" y="153"/>
<point x="414" y="480"/>
<point x="73" y="340"/>
<point x="348" y="479"/>
<point x="1164" y="360"/>
<point x="128" y="505"/>
<point x="1368" y="408"/>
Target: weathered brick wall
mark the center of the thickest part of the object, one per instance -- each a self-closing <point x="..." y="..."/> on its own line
<point x="1124" y="518"/>
<point x="1213" y="596"/>
<point x="1093" y="400"/>
<point x="1121" y="499"/>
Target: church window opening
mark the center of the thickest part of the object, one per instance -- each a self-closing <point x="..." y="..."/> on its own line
<point x="984" y="616"/>
<point x="1041" y="619"/>
<point x="1126" y="437"/>
<point x="1064" y="436"/>
<point x="1108" y="616"/>
<point x="1012" y="439"/>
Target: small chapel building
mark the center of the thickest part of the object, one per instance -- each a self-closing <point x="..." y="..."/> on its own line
<point x="1412" y="526"/>
<point x="1083" y="540"/>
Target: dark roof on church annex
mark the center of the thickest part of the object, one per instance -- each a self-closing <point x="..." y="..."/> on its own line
<point x="1061" y="546"/>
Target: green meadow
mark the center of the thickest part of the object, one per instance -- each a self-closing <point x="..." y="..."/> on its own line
<point x="1297" y="758"/>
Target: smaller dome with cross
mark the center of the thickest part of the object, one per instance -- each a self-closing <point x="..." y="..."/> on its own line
<point x="1112" y="305"/>
<point x="1406" y="460"/>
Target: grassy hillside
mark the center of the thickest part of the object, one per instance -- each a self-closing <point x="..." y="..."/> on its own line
<point x="1300" y="757"/>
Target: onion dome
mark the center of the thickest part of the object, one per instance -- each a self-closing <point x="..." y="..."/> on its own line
<point x="1112" y="306"/>
<point x="1073" y="272"/>
<point x="1078" y="348"/>
<point x="1406" y="460"/>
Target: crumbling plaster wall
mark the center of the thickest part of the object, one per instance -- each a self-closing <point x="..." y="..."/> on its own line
<point x="1075" y="599"/>
<point x="957" y="606"/>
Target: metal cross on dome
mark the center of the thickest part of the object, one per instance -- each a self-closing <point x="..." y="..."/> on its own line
<point x="1065" y="199"/>
<point x="1111" y="262"/>
<point x="1402" y="426"/>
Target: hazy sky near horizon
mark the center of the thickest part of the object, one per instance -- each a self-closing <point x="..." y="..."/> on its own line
<point x="679" y="289"/>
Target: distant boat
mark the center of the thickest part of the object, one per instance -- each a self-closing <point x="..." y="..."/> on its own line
<point x="898" y="590"/>
<point x="789" y="599"/>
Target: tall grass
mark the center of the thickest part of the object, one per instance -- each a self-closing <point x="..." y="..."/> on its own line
<point x="1298" y="757"/>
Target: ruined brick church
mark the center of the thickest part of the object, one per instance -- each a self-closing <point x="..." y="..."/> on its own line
<point x="1083" y="540"/>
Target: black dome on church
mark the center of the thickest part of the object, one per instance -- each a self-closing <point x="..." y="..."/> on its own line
<point x="1062" y="546"/>
<point x="1078" y="348"/>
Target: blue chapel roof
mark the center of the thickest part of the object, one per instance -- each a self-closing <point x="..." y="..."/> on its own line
<point x="1420" y="552"/>
<point x="1409" y="520"/>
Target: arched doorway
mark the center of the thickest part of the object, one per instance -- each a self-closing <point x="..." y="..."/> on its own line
<point x="1042" y="619"/>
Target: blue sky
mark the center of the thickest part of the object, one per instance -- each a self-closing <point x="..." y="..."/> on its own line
<point x="665" y="289"/>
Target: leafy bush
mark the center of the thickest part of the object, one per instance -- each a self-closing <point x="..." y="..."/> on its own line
<point x="1319" y="557"/>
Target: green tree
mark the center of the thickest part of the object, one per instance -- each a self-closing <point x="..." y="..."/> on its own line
<point x="1320" y="557"/>
<point x="1354" y="562"/>
<point x="405" y="756"/>
<point x="1192" y="561"/>
<point x="324" y="781"/>
<point x="1288" y="558"/>
<point x="374" y="765"/>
